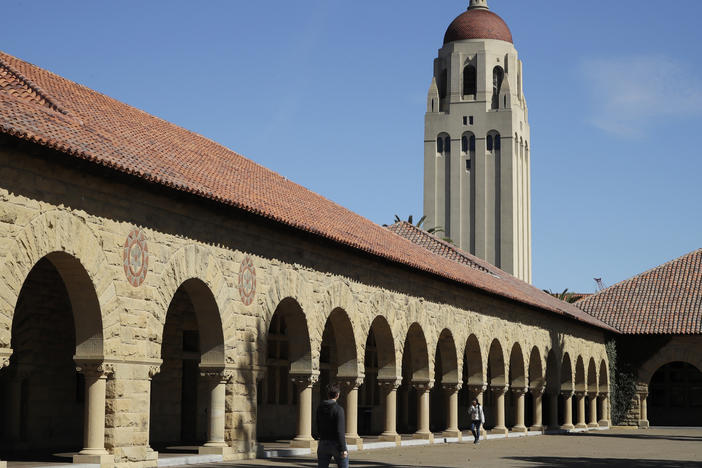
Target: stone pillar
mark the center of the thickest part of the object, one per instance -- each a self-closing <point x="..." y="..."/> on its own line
<point x="604" y="410"/>
<point x="476" y="392"/>
<point x="217" y="380"/>
<point x="452" y="410"/>
<point x="519" y="409"/>
<point x="423" y="431"/>
<point x="94" y="452"/>
<point x="350" y="387"/>
<point x="499" y="410"/>
<point x="389" y="388"/>
<point x="643" y="410"/>
<point x="593" y="410"/>
<point x="537" y="399"/>
<point x="304" y="384"/>
<point x="567" y="410"/>
<point x="580" y="400"/>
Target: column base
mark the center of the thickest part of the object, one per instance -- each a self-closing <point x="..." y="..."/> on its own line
<point x="519" y="429"/>
<point x="536" y="428"/>
<point x="304" y="443"/>
<point x="424" y="436"/>
<point x="603" y="422"/>
<point x="355" y="440"/>
<point x="3" y="464"/>
<point x="397" y="438"/>
<point x="105" y="460"/>
<point x="223" y="450"/>
<point x="567" y="427"/>
<point x="151" y="454"/>
<point x="581" y="426"/>
<point x="499" y="430"/>
<point x="643" y="424"/>
<point x="452" y="433"/>
<point x="593" y="424"/>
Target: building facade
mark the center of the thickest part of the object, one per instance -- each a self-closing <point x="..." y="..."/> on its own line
<point x="160" y="290"/>
<point x="477" y="143"/>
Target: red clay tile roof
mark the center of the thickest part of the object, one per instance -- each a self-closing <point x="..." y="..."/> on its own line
<point x="88" y="125"/>
<point x="478" y="24"/>
<point x="490" y="272"/>
<point x="664" y="300"/>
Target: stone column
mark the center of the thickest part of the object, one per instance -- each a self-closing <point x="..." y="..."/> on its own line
<point x="604" y="410"/>
<point x="389" y="388"/>
<point x="643" y="410"/>
<point x="476" y="392"/>
<point x="499" y="410"/>
<point x="350" y="387"/>
<point x="96" y="374"/>
<point x="580" y="400"/>
<point x="519" y="409"/>
<point x="567" y="410"/>
<point x="304" y="384"/>
<point x="217" y="380"/>
<point x="423" y="431"/>
<point x="593" y="410"/>
<point x="452" y="410"/>
<point x="537" y="399"/>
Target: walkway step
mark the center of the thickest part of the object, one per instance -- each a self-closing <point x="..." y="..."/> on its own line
<point x="184" y="460"/>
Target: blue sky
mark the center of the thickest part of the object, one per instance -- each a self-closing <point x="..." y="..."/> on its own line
<point x="332" y="95"/>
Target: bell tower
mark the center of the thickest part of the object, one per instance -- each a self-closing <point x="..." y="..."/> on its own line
<point x="477" y="143"/>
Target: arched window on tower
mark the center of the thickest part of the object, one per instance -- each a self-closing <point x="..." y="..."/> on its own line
<point x="468" y="149"/>
<point x="443" y="83"/>
<point x="493" y="141"/>
<point x="464" y="144"/>
<point x="443" y="144"/>
<point x="470" y="78"/>
<point x="497" y="76"/>
<point x="488" y="141"/>
<point x="440" y="145"/>
<point x="447" y="144"/>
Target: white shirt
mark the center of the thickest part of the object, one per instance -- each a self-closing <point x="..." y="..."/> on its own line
<point x="476" y="413"/>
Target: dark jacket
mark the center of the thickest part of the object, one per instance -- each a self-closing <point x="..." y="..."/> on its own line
<point x="331" y="424"/>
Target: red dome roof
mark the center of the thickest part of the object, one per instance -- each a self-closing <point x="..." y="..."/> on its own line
<point x="478" y="23"/>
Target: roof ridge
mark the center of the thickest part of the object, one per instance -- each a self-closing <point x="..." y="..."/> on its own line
<point x="623" y="282"/>
<point x="31" y="85"/>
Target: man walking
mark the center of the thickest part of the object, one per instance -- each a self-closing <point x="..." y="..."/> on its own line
<point x="477" y="418"/>
<point x="331" y="426"/>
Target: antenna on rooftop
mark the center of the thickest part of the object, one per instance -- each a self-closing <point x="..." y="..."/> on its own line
<point x="600" y="284"/>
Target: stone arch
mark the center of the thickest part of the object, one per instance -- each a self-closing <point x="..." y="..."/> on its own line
<point x="80" y="260"/>
<point x="446" y="349"/>
<point x="592" y="376"/>
<point x="671" y="352"/>
<point x="517" y="376"/>
<point x="474" y="362"/>
<point x="346" y="348"/>
<point x="496" y="365"/>
<point x="209" y="322"/>
<point x="552" y="372"/>
<point x="193" y="262"/>
<point x="536" y="374"/>
<point x="385" y="344"/>
<point x="603" y="379"/>
<point x="579" y="375"/>
<point x="566" y="374"/>
<point x="416" y="346"/>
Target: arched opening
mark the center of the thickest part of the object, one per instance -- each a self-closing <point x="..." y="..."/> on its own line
<point x="498" y="75"/>
<point x="445" y="374"/>
<point x="517" y="382"/>
<point x="675" y="395"/>
<point x="56" y="324"/>
<point x="415" y="369"/>
<point x="468" y="149"/>
<point x="192" y="341"/>
<point x="536" y="386"/>
<point x="443" y="89"/>
<point x="473" y="380"/>
<point x="566" y="388"/>
<point x="580" y="389"/>
<point x="496" y="379"/>
<point x="470" y="80"/>
<point x="379" y="363"/>
<point x="287" y="353"/>
<point x="592" y="390"/>
<point x="603" y="388"/>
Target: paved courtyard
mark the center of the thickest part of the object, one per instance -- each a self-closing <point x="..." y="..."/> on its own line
<point x="616" y="448"/>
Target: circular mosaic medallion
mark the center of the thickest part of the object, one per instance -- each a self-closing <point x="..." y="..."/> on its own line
<point x="247" y="281"/>
<point x="136" y="258"/>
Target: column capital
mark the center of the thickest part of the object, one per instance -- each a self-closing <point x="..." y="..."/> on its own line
<point x="96" y="369"/>
<point x="538" y="390"/>
<point x="567" y="393"/>
<point x="519" y="390"/>
<point x="499" y="390"/>
<point x="305" y="380"/>
<point x="592" y="394"/>
<point x="580" y="393"/>
<point x="153" y="370"/>
<point x="5" y="354"/>
<point x="217" y="374"/>
<point x="350" y="383"/>
<point x="423" y="386"/>
<point x="643" y="395"/>
<point x="477" y="388"/>
<point x="452" y="387"/>
<point x="390" y="384"/>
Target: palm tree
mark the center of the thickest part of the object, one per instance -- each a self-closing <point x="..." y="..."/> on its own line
<point x="420" y="225"/>
<point x="564" y="296"/>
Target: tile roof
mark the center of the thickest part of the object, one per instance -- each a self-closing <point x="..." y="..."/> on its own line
<point x="41" y="107"/>
<point x="486" y="270"/>
<point x="664" y="300"/>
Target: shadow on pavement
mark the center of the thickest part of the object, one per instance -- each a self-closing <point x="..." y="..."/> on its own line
<point x="577" y="462"/>
<point x="685" y="438"/>
<point x="312" y="463"/>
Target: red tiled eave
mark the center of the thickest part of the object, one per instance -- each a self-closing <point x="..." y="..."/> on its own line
<point x="88" y="125"/>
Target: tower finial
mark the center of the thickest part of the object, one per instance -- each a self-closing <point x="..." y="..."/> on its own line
<point x="478" y="4"/>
